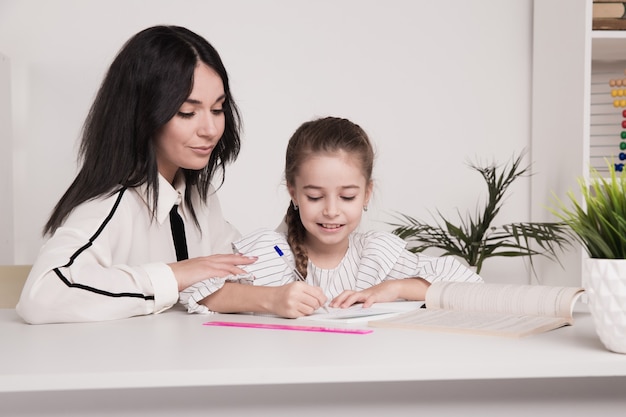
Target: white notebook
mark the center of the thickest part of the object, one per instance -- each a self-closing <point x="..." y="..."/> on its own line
<point x="357" y="313"/>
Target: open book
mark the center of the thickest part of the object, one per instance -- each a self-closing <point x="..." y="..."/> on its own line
<point x="496" y="309"/>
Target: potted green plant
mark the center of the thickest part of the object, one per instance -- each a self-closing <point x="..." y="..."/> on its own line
<point x="475" y="238"/>
<point x="598" y="221"/>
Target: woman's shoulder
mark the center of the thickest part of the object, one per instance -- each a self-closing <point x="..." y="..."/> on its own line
<point x="104" y="203"/>
<point x="94" y="215"/>
<point x="120" y="206"/>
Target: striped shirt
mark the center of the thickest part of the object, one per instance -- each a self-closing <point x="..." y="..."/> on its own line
<point x="372" y="257"/>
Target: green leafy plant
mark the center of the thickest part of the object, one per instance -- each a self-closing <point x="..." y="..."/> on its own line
<point x="475" y="239"/>
<point x="598" y="220"/>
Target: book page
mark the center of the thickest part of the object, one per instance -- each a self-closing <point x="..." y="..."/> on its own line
<point x="496" y="309"/>
<point x="536" y="300"/>
<point x="485" y="323"/>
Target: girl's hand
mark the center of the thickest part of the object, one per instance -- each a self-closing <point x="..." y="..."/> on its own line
<point x="190" y="271"/>
<point x="383" y="292"/>
<point x="296" y="299"/>
<point x="408" y="289"/>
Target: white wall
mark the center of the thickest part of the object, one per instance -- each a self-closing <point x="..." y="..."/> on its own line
<point x="6" y="164"/>
<point x="434" y="83"/>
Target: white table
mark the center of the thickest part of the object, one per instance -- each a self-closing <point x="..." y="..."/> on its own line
<point x="172" y="365"/>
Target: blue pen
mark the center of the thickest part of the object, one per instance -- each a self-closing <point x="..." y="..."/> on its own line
<point x="280" y="253"/>
<point x="297" y="273"/>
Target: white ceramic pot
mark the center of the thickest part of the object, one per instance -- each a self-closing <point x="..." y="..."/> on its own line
<point x="605" y="284"/>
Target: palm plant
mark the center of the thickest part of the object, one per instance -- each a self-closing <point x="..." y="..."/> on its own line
<point x="474" y="239"/>
<point x="599" y="220"/>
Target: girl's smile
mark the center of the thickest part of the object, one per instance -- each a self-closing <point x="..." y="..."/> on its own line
<point x="331" y="226"/>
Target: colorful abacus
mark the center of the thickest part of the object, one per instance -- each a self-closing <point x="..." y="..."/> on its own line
<point x="617" y="102"/>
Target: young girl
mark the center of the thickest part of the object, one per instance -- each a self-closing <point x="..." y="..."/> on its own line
<point x="328" y="172"/>
<point x="141" y="220"/>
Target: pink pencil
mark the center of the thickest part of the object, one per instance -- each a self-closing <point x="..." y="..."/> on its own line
<point x="288" y="327"/>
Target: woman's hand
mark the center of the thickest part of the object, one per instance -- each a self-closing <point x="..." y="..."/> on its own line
<point x="408" y="289"/>
<point x="190" y="271"/>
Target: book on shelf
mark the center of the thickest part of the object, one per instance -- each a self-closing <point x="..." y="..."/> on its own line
<point x="511" y="310"/>
<point x="609" y="10"/>
<point x="608" y="24"/>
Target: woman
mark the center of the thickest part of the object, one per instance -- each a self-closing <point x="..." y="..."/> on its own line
<point x="163" y="124"/>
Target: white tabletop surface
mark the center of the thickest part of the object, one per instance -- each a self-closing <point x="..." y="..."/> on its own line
<point x="174" y="349"/>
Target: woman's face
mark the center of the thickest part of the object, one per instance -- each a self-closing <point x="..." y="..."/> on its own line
<point x="188" y="139"/>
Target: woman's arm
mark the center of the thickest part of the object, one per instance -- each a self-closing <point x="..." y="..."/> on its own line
<point x="111" y="260"/>
<point x="79" y="274"/>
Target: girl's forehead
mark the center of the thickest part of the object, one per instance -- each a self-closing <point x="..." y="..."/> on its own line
<point x="339" y="159"/>
<point x="331" y="168"/>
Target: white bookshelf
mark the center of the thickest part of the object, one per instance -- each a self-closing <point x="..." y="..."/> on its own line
<point x="575" y="125"/>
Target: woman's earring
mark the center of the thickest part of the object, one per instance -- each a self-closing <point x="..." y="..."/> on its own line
<point x="295" y="206"/>
<point x="365" y="208"/>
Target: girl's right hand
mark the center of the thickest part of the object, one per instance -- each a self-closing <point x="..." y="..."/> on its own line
<point x="296" y="299"/>
<point x="190" y="271"/>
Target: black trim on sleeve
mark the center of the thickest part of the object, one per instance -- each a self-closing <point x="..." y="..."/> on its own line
<point x="86" y="246"/>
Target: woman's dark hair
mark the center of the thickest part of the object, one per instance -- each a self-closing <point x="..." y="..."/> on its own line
<point x="144" y="88"/>
<point x="327" y="135"/>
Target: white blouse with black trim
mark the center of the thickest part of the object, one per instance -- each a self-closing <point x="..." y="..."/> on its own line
<point x="109" y="258"/>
